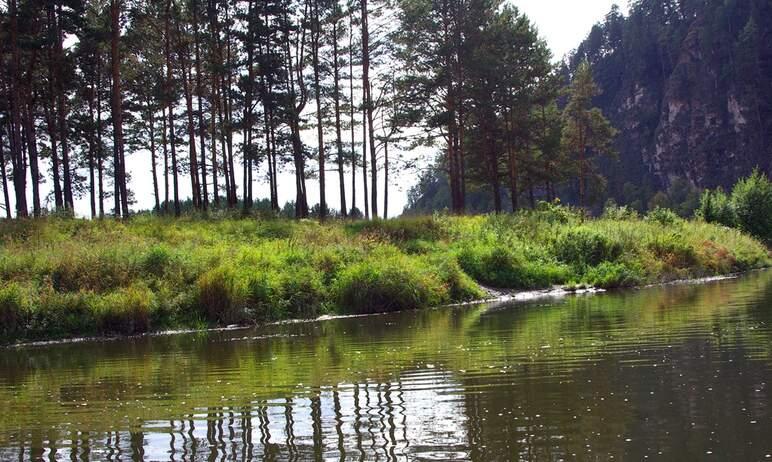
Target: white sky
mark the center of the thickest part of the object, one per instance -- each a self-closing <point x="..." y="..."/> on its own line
<point x="563" y="23"/>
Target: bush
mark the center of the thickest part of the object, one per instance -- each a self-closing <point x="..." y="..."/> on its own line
<point x="156" y="260"/>
<point x="752" y="200"/>
<point x="585" y="247"/>
<point x="303" y="293"/>
<point x="609" y="275"/>
<point x="612" y="211"/>
<point x="507" y="268"/>
<point x="460" y="287"/>
<point x="672" y="249"/>
<point x="13" y="307"/>
<point x="716" y="207"/>
<point x="388" y="283"/>
<point x="99" y="269"/>
<point x="663" y="216"/>
<point x="221" y="297"/>
<point x="264" y="297"/>
<point x="64" y="314"/>
<point x="126" y="311"/>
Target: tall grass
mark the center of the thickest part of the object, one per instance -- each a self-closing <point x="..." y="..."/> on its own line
<point x="63" y="277"/>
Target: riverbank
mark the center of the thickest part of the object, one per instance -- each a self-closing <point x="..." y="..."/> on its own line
<point x="61" y="278"/>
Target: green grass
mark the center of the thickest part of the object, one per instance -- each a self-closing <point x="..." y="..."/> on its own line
<point x="65" y="277"/>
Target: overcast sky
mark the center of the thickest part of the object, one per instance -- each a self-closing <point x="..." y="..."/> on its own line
<point x="562" y="23"/>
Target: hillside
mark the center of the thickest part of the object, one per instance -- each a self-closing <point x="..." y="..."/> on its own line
<point x="687" y="85"/>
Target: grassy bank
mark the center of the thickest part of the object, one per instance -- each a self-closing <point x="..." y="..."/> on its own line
<point x="62" y="277"/>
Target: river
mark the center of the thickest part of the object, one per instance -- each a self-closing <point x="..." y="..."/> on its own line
<point x="679" y="372"/>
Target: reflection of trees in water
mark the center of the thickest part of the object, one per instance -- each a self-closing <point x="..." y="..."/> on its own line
<point x="356" y="422"/>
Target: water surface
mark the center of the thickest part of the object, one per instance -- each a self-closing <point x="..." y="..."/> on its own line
<point x="668" y="373"/>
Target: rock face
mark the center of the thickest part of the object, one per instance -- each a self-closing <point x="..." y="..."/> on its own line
<point x="689" y="86"/>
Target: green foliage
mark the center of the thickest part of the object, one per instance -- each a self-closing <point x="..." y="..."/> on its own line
<point x="610" y="275"/>
<point x="150" y="273"/>
<point x="663" y="216"/>
<point x="125" y="311"/>
<point x="716" y="207"/>
<point x="752" y="200"/>
<point x="13" y="310"/>
<point x="612" y="211"/>
<point x="502" y="266"/>
<point x="221" y="296"/>
<point x="388" y="283"/>
<point x="586" y="247"/>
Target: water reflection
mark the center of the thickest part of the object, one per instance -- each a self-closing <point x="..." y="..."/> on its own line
<point x="678" y="373"/>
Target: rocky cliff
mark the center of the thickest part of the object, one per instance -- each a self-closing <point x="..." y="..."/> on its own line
<point x="689" y="86"/>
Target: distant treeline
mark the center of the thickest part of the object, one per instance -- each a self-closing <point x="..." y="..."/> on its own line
<point x="222" y="94"/>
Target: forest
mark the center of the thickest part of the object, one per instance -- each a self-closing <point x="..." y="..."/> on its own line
<point x="217" y="97"/>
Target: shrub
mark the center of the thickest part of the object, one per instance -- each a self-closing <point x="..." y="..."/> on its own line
<point x="663" y="216"/>
<point x="586" y="247"/>
<point x="126" y="311"/>
<point x="99" y="269"/>
<point x="303" y="292"/>
<point x="554" y="212"/>
<point x="460" y="287"/>
<point x="64" y="314"/>
<point x="401" y="230"/>
<point x="673" y="250"/>
<point x="752" y="200"/>
<point x="388" y="283"/>
<point x="505" y="267"/>
<point x="156" y="260"/>
<point x="610" y="275"/>
<point x="13" y="307"/>
<point x="264" y="297"/>
<point x="221" y="296"/>
<point x="612" y="211"/>
<point x="716" y="207"/>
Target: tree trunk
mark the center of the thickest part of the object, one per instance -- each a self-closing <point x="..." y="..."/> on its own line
<point x="351" y="109"/>
<point x="512" y="159"/>
<point x="338" y="140"/>
<point x="17" y="152"/>
<point x="166" y="161"/>
<point x="364" y="157"/>
<point x="170" y="105"/>
<point x="117" y="111"/>
<point x="62" y="109"/>
<point x="100" y="156"/>
<point x="192" y="156"/>
<point x="50" y="118"/>
<point x="201" y="130"/>
<point x="151" y="133"/>
<point x="386" y="180"/>
<point x="315" y="35"/>
<point x="4" y="178"/>
<point x="369" y="108"/>
<point x="32" y="149"/>
<point x="91" y="152"/>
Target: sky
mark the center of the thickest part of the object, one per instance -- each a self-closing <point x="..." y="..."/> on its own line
<point x="562" y="23"/>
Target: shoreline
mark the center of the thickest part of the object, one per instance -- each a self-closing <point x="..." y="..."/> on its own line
<point x="501" y="297"/>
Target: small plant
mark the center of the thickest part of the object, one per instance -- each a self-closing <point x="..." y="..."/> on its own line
<point x="663" y="216"/>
